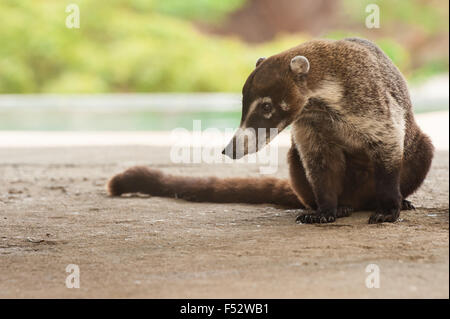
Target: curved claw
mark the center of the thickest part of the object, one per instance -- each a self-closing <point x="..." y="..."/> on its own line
<point x="376" y="218"/>
<point x="407" y="205"/>
<point x="315" y="218"/>
<point x="384" y="216"/>
<point x="344" y="211"/>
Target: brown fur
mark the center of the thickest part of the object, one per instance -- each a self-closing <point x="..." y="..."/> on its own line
<point x="355" y="142"/>
<point x="204" y="189"/>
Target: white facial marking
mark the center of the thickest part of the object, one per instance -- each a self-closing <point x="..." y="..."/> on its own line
<point x="253" y="106"/>
<point x="250" y="111"/>
<point x="284" y="106"/>
<point x="266" y="99"/>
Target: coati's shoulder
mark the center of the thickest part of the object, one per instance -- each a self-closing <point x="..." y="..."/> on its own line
<point x="364" y="42"/>
<point x="329" y="50"/>
<point x="337" y="56"/>
<point x="357" y="65"/>
<point x="326" y="58"/>
<point x="338" y="59"/>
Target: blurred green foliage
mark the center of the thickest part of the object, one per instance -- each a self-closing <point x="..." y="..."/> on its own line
<point x="418" y="15"/>
<point x="419" y="22"/>
<point x="393" y="49"/>
<point x="212" y="11"/>
<point x="121" y="46"/>
<point x="131" y="46"/>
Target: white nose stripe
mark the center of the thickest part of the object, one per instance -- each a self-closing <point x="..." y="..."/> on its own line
<point x="284" y="106"/>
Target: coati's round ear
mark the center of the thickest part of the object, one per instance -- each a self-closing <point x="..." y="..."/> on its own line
<point x="299" y="65"/>
<point x="259" y="61"/>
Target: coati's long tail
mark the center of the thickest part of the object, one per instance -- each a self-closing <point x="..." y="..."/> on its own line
<point x="204" y="189"/>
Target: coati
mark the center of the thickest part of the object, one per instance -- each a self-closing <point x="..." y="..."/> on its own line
<point x="355" y="143"/>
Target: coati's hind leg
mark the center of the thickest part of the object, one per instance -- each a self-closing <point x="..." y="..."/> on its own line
<point x="417" y="159"/>
<point x="416" y="163"/>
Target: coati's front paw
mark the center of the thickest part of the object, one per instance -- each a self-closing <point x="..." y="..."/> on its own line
<point x="316" y="217"/>
<point x="407" y="205"/>
<point x="382" y="216"/>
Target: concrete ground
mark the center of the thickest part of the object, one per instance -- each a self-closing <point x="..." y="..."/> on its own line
<point x="54" y="211"/>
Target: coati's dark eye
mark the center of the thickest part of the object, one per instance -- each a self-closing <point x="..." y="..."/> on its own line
<point x="266" y="107"/>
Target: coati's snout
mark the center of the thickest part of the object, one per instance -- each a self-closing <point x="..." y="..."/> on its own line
<point x="249" y="140"/>
<point x="271" y="99"/>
